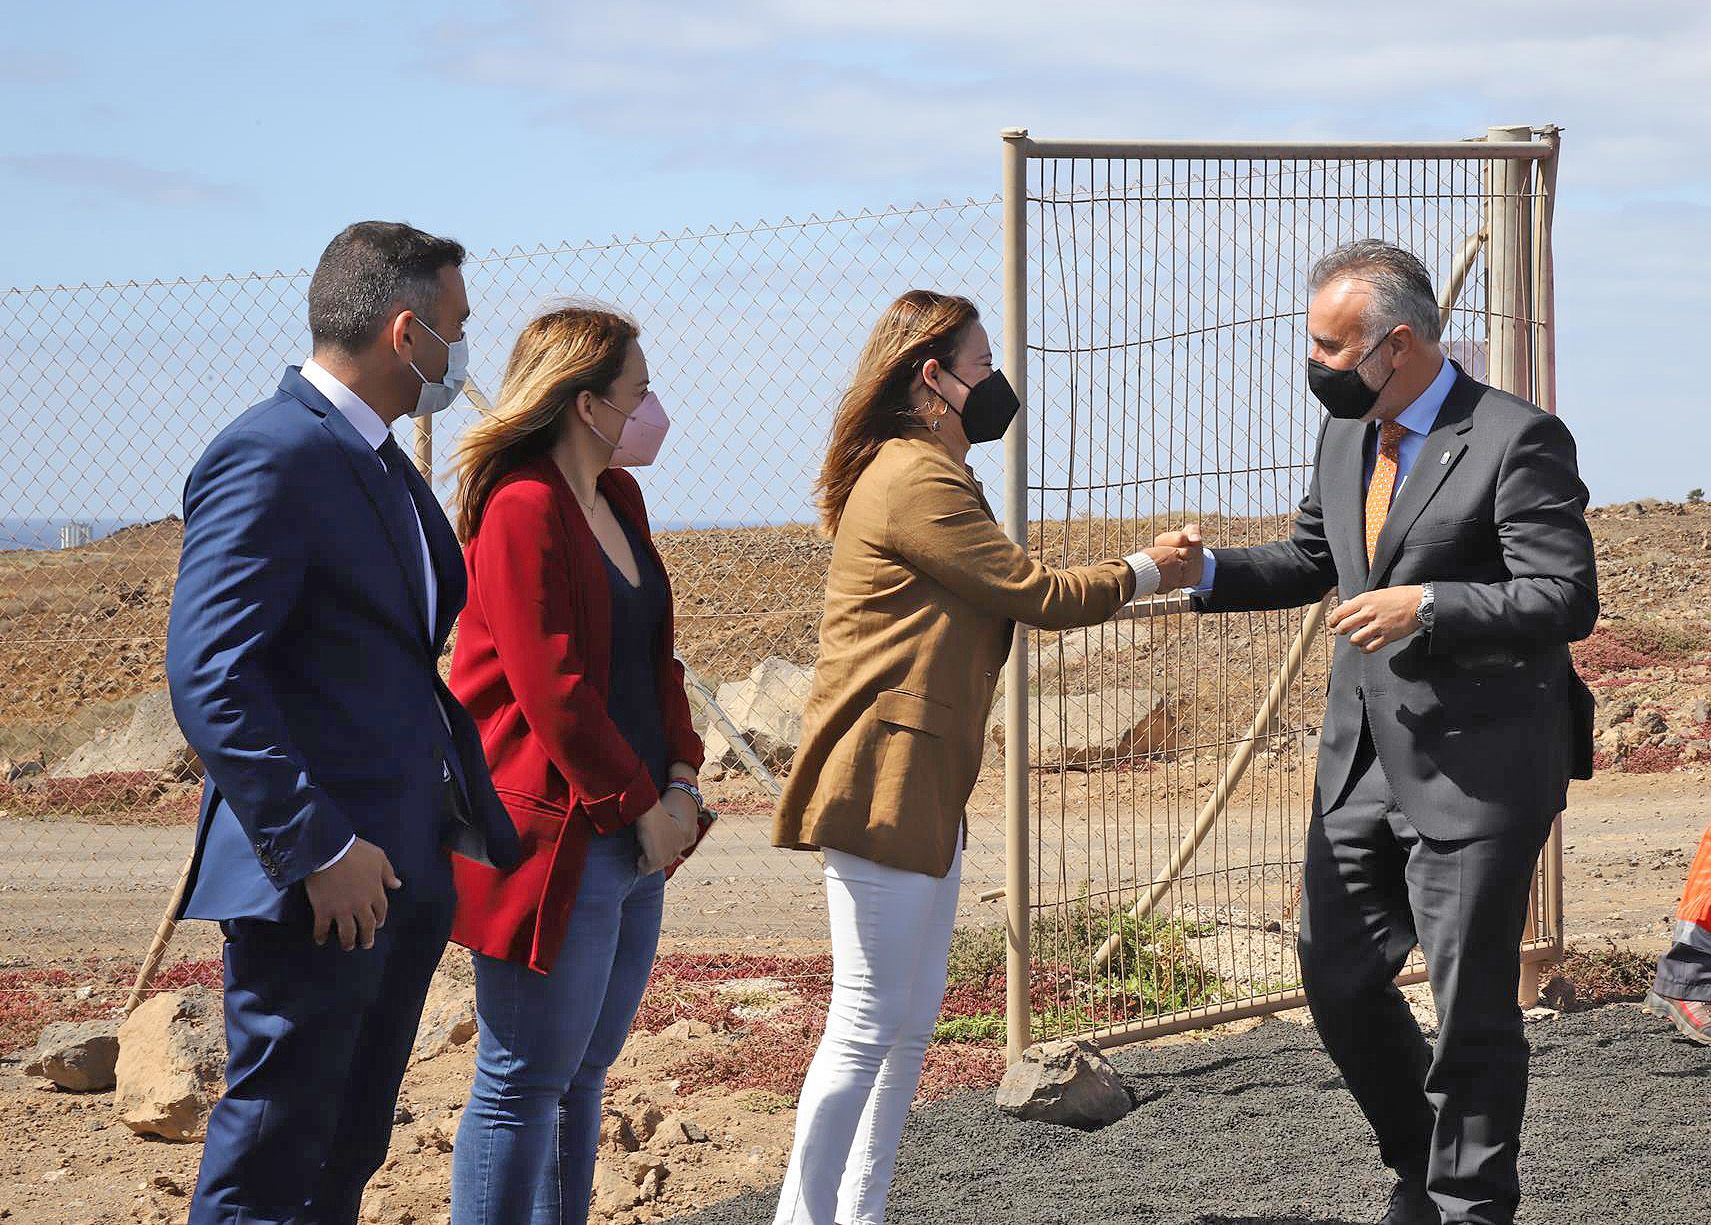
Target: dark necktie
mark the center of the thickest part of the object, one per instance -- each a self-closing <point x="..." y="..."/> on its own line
<point x="406" y="529"/>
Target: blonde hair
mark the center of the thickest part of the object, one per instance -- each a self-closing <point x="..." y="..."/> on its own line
<point x="919" y="325"/>
<point x="571" y="349"/>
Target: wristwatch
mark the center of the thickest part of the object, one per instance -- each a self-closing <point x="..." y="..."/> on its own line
<point x="1427" y="612"/>
<point x="691" y="790"/>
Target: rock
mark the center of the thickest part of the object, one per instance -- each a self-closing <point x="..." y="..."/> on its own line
<point x="767" y="709"/>
<point x="20" y="770"/>
<point x="645" y="1119"/>
<point x="1064" y="1082"/>
<point x="77" y="1056"/>
<point x="686" y="1030"/>
<point x="676" y="1130"/>
<point x="172" y="1053"/>
<point x="755" y="999"/>
<point x="624" y="1181"/>
<point x="1093" y="729"/>
<point x="613" y="1192"/>
<point x="1558" y="993"/>
<point x="149" y="743"/>
<point x="1698" y="712"/>
<point x="448" y="1020"/>
<point x="616" y="1134"/>
<point x="1653" y="723"/>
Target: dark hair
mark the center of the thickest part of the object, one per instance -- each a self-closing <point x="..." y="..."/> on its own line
<point x="369" y="273"/>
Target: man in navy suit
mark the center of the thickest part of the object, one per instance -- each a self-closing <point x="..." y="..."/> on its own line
<point x="318" y="583"/>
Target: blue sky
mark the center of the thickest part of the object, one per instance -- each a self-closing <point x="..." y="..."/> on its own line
<point x="179" y="139"/>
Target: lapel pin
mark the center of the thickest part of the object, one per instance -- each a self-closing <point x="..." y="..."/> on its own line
<point x="1444" y="460"/>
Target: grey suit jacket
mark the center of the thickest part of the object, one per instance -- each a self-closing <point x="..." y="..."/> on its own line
<point x="1483" y="722"/>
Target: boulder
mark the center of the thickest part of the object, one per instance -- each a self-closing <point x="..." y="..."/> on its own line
<point x="77" y="1055"/>
<point x="149" y="743"/>
<point x="1084" y="730"/>
<point x="1064" y="1082"/>
<point x="448" y="1020"/>
<point x="767" y="708"/>
<point x="172" y="1054"/>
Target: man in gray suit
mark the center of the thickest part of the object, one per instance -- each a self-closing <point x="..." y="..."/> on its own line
<point x="1450" y="518"/>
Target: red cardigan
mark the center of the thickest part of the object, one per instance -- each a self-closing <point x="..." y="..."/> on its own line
<point x="532" y="667"/>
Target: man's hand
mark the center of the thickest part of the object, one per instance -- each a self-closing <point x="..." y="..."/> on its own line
<point x="663" y="833"/>
<point x="351" y="895"/>
<point x="1190" y="561"/>
<point x="1375" y="619"/>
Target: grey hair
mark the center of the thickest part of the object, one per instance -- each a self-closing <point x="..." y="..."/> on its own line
<point x="1401" y="287"/>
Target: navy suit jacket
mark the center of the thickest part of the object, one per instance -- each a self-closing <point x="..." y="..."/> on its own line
<point x="301" y="665"/>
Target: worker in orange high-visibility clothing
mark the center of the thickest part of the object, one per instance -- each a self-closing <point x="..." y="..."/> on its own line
<point x="1682" y="992"/>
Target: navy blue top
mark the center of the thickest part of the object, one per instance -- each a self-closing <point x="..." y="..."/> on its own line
<point x="638" y="619"/>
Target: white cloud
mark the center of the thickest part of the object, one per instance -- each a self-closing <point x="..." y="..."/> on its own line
<point x="101" y="180"/>
<point x="867" y="92"/>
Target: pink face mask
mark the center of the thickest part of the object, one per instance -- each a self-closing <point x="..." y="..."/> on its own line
<point x="643" y="433"/>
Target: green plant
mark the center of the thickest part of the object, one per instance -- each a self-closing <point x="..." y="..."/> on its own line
<point x="976" y="953"/>
<point x="1695" y="496"/>
<point x="983" y="1027"/>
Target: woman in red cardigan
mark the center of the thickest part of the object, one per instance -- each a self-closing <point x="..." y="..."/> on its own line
<point x="564" y="658"/>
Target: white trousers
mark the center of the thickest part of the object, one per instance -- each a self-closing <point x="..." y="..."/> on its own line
<point x="891" y="938"/>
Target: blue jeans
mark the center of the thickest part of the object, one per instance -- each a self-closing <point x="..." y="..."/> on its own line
<point x="525" y="1148"/>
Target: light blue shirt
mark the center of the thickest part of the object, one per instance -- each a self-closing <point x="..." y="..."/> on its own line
<point x="1416" y="420"/>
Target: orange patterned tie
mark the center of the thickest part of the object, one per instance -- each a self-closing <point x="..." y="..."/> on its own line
<point x="1378" y="494"/>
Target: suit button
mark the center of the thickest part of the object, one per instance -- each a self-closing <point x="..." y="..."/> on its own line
<point x="1360" y="692"/>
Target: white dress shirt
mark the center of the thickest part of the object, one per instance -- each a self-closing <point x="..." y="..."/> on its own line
<point x="374" y="432"/>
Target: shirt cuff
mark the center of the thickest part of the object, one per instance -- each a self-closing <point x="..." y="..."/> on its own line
<point x="335" y="859"/>
<point x="1146" y="574"/>
<point x="1208" y="572"/>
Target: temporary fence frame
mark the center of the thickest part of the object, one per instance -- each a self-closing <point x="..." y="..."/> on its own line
<point x="1519" y="171"/>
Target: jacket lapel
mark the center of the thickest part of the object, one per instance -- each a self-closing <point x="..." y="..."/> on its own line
<point x="1343" y="489"/>
<point x="450" y="581"/>
<point x="1438" y="457"/>
<point x="370" y="474"/>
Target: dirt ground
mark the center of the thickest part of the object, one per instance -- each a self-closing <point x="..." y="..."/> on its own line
<point x="83" y="878"/>
<point x="67" y="1161"/>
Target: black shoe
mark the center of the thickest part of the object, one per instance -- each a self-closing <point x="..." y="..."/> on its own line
<point x="1410" y="1205"/>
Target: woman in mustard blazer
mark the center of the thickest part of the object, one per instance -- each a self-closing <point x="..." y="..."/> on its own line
<point x="921" y="599"/>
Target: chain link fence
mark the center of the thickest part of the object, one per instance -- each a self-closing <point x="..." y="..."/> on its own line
<point x="1168" y="779"/>
<point x="111" y="391"/>
<point x="1163" y="297"/>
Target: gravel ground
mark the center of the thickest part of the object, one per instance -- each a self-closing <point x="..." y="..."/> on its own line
<point x="1617" y="1131"/>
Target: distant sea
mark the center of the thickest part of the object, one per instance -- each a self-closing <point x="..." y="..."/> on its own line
<point x="44" y="533"/>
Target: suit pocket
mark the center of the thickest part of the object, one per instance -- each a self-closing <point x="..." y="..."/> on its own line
<point x="539" y="824"/>
<point x="914" y="758"/>
<point x="1449" y="531"/>
<point x="900" y="708"/>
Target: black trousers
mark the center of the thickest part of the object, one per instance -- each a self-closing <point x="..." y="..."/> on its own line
<point x="1374" y="887"/>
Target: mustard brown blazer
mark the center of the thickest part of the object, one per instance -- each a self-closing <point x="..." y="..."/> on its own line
<point x="921" y="599"/>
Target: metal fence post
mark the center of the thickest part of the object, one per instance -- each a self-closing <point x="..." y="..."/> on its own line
<point x="425" y="448"/>
<point x="1018" y="963"/>
<point x="1511" y="284"/>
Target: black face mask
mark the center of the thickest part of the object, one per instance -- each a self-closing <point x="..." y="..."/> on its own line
<point x="1344" y="393"/>
<point x="988" y="409"/>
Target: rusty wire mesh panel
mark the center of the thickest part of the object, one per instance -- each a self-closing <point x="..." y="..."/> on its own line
<point x="1166" y="302"/>
<point x="109" y="392"/>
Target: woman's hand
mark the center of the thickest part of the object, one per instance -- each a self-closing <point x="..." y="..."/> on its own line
<point x="663" y="834"/>
<point x="1177" y="567"/>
